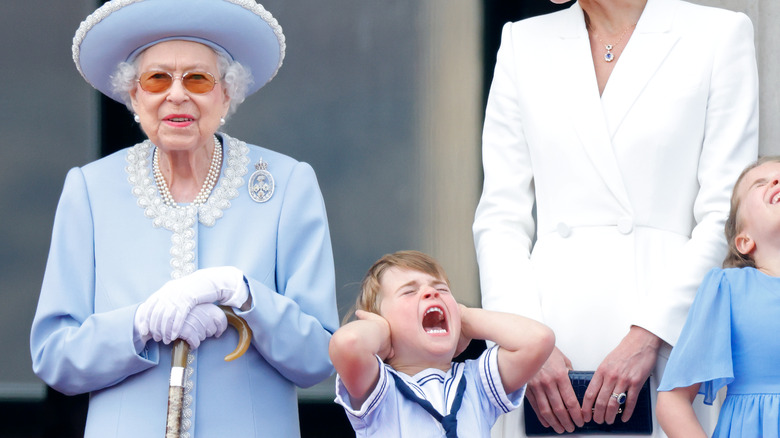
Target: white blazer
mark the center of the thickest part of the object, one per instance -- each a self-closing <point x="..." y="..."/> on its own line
<point x="630" y="189"/>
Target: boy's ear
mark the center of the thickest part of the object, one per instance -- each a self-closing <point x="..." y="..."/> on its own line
<point x="745" y="245"/>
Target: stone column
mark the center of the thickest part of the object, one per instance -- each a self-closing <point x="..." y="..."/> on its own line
<point x="449" y="113"/>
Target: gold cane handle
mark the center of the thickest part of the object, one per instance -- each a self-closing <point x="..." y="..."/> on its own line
<point x="244" y="333"/>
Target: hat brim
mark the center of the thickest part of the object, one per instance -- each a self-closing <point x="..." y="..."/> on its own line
<point x="116" y="31"/>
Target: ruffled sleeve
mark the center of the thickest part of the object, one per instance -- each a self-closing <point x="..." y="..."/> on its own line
<point x="703" y="352"/>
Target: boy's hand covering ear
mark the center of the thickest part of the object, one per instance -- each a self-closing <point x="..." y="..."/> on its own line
<point x="386" y="352"/>
<point x="465" y="339"/>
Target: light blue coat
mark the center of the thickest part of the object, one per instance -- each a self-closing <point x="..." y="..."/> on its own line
<point x="108" y="254"/>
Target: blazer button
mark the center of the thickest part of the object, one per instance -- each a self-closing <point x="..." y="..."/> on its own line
<point x="563" y="230"/>
<point x="625" y="225"/>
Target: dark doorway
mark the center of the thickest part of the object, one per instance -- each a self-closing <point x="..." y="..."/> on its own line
<point x="496" y="14"/>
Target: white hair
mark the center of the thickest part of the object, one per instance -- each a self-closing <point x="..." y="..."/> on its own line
<point x="234" y="77"/>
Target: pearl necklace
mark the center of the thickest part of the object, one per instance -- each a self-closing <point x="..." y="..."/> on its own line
<point x="208" y="184"/>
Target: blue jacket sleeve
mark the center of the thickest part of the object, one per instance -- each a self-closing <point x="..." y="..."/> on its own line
<point x="75" y="350"/>
<point x="292" y="326"/>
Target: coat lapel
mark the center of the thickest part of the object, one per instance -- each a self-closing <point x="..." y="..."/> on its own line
<point x="585" y="109"/>
<point x="647" y="49"/>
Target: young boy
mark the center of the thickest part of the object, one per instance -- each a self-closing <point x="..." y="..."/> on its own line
<point x="396" y="377"/>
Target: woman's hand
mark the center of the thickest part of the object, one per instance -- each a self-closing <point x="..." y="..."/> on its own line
<point x="165" y="311"/>
<point x="624" y="370"/>
<point x="552" y="397"/>
<point x="203" y="321"/>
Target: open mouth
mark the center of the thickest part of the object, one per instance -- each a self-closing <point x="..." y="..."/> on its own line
<point x="775" y="198"/>
<point x="179" y="119"/>
<point x="434" y="321"/>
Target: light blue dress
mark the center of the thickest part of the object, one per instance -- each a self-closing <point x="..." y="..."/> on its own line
<point x="732" y="337"/>
<point x="114" y="243"/>
<point x="386" y="413"/>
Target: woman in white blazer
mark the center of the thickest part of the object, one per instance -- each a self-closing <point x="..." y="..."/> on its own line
<point x="606" y="189"/>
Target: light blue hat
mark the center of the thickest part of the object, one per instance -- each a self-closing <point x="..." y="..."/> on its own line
<point x="120" y="29"/>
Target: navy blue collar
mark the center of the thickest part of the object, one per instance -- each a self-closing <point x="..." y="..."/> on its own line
<point x="449" y="421"/>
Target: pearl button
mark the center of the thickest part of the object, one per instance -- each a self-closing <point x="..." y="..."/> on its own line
<point x="563" y="230"/>
<point x="625" y="225"/>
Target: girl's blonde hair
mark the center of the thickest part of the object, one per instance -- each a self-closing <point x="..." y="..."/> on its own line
<point x="734" y="258"/>
<point x="369" y="298"/>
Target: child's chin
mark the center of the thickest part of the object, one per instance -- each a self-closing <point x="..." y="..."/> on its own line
<point x="442" y="347"/>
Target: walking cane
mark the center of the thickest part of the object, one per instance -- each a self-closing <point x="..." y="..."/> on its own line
<point x="179" y="363"/>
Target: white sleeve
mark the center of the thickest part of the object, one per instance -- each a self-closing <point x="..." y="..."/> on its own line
<point x="493" y="386"/>
<point x="730" y="143"/>
<point x="374" y="399"/>
<point x="504" y="225"/>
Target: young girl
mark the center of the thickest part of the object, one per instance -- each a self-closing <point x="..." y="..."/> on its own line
<point x="731" y="336"/>
<point x="396" y="377"/>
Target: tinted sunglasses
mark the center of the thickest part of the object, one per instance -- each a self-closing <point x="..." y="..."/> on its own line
<point x="198" y="82"/>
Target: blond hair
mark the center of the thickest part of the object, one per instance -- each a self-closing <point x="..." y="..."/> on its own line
<point x="369" y="298"/>
<point x="734" y="258"/>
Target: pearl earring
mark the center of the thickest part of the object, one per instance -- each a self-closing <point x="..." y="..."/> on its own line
<point x="136" y="118"/>
<point x="221" y="121"/>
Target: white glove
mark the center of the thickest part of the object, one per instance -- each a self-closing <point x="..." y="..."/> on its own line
<point x="204" y="321"/>
<point x="164" y="312"/>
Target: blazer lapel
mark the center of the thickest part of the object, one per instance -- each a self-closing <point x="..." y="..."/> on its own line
<point x="580" y="89"/>
<point x="646" y="50"/>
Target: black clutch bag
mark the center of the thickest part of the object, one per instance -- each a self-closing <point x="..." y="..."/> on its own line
<point x="641" y="422"/>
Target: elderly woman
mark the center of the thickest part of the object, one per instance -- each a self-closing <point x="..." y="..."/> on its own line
<point x="148" y="241"/>
<point x="613" y="133"/>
